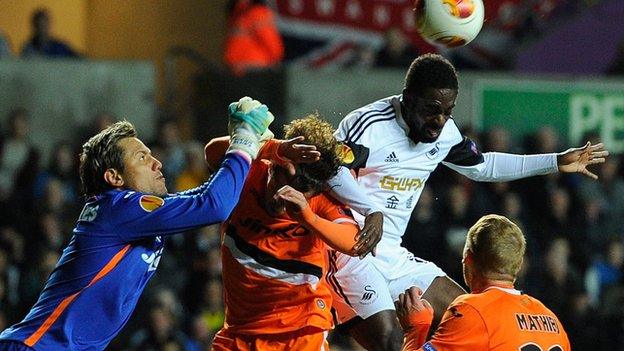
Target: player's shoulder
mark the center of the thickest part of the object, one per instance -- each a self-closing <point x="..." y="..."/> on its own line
<point x="380" y="109"/>
<point x="324" y="202"/>
<point x="128" y="200"/>
<point x="370" y="121"/>
<point x="325" y="198"/>
<point x="482" y="301"/>
<point x="451" y="133"/>
<point x="463" y="310"/>
<point x="473" y="300"/>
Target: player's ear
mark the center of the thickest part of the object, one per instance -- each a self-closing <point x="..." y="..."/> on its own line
<point x="467" y="259"/>
<point x="114" y="178"/>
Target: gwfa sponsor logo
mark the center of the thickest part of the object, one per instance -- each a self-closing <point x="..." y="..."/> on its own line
<point x="400" y="183"/>
<point x="369" y="295"/>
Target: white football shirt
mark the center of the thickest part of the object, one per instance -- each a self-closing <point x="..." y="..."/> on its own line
<point x="391" y="170"/>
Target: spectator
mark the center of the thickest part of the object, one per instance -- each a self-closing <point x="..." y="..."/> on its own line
<point x="161" y="333"/>
<point x="616" y="67"/>
<point x="425" y="224"/>
<point x="19" y="163"/>
<point x="169" y="148"/>
<point x="561" y="287"/>
<point x="606" y="198"/>
<point x="211" y="310"/>
<point x="18" y="157"/>
<point x="201" y="334"/>
<point x="98" y="124"/>
<point x="457" y="223"/>
<point x="606" y="271"/>
<point x="397" y="52"/>
<point x="9" y="285"/>
<point x="253" y="41"/>
<point x="498" y="139"/>
<point x="42" y="44"/>
<point x="195" y="170"/>
<point x="36" y="276"/>
<point x="62" y="167"/>
<point x="49" y="234"/>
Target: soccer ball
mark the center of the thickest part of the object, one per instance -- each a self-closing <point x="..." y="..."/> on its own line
<point x="449" y="23"/>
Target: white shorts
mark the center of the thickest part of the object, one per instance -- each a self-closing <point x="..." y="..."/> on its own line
<point x="361" y="288"/>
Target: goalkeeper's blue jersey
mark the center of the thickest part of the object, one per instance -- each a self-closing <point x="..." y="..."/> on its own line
<point x="113" y="253"/>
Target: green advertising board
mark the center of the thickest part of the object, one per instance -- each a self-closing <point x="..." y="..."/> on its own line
<point x="573" y="108"/>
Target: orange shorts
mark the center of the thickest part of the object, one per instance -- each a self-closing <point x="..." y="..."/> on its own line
<point x="300" y="340"/>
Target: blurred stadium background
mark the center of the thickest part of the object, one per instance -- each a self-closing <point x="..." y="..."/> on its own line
<point x="542" y="76"/>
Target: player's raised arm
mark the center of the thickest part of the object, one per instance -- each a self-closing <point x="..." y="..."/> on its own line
<point x="415" y="315"/>
<point x="337" y="231"/>
<point x="151" y="213"/>
<point x="283" y="152"/>
<point x="467" y="159"/>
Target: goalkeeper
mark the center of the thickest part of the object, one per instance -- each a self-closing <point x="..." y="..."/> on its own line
<point x="119" y="237"/>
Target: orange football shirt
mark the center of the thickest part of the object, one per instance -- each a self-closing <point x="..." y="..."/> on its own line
<point x="273" y="268"/>
<point x="498" y="319"/>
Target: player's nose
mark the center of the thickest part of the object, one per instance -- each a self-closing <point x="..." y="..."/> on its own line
<point x="440" y="120"/>
<point x="157" y="165"/>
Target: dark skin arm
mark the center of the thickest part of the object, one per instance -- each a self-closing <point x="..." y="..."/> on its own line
<point x="370" y="235"/>
<point x="577" y="159"/>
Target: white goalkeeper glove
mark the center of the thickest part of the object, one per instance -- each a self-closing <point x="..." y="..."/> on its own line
<point x="251" y="114"/>
<point x="248" y="125"/>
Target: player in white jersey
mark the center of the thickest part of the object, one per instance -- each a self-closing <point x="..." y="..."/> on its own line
<point x="396" y="143"/>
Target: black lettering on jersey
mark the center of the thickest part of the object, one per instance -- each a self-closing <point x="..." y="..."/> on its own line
<point x="256" y="226"/>
<point x="532" y="325"/>
<point x="541" y="323"/>
<point x="522" y="322"/>
<point x="466" y="153"/>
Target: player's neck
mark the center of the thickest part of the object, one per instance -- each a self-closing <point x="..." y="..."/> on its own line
<point x="480" y="285"/>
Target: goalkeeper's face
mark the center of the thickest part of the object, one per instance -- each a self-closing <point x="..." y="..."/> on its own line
<point x="142" y="171"/>
<point x="427" y="114"/>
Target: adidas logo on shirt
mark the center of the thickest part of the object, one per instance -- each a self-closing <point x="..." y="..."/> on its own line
<point x="392" y="157"/>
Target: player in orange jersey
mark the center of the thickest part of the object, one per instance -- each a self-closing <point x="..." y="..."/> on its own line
<point x="494" y="316"/>
<point x="274" y="247"/>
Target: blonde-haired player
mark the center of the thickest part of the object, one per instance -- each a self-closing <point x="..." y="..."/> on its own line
<point x="274" y="245"/>
<point x="494" y="316"/>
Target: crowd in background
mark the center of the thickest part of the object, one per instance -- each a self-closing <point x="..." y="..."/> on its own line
<point x="573" y="226"/>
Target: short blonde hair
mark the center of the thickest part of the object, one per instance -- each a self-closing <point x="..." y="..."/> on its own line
<point x="497" y="246"/>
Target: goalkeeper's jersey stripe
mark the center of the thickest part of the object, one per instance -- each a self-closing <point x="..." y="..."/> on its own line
<point x="32" y="340"/>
